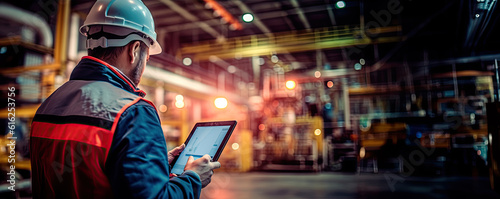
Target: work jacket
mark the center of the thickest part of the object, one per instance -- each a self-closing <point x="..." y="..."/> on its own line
<point x="97" y="137"/>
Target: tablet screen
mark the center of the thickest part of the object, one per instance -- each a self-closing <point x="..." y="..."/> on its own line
<point x="203" y="140"/>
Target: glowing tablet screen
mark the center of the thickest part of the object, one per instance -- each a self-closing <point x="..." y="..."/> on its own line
<point x="203" y="140"/>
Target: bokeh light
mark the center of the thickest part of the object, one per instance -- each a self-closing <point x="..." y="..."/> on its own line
<point x="163" y="108"/>
<point x="317" y="132"/>
<point x="187" y="61"/>
<point x="340" y="4"/>
<point x="247" y="17"/>
<point x="290" y="84"/>
<point x="220" y="102"/>
<point x="235" y="146"/>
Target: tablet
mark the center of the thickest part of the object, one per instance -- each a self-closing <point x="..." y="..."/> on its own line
<point x="205" y="138"/>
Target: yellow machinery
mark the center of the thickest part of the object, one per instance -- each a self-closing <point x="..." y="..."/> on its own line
<point x="290" y="145"/>
<point x="374" y="139"/>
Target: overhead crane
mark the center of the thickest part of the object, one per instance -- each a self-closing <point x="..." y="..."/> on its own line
<point x="295" y="41"/>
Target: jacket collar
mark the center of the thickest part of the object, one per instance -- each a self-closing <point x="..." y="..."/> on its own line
<point x="91" y="68"/>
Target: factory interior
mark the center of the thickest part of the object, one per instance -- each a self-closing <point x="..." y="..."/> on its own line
<point x="333" y="99"/>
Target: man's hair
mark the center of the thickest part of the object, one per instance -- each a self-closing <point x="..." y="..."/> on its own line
<point x="110" y="54"/>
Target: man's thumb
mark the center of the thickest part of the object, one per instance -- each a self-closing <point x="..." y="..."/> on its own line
<point x="190" y="159"/>
<point x="178" y="149"/>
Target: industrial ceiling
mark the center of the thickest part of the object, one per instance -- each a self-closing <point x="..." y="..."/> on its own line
<point x="310" y="35"/>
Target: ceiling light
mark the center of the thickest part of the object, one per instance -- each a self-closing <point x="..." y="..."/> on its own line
<point x="247" y="17"/>
<point x="187" y="61"/>
<point x="317" y="74"/>
<point x="357" y="66"/>
<point x="340" y="4"/>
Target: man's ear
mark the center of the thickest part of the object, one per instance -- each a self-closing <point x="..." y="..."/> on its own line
<point x="133" y="51"/>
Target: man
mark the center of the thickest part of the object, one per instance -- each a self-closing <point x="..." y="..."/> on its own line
<point x="96" y="136"/>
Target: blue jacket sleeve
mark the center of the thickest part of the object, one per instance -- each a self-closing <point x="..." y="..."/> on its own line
<point x="137" y="163"/>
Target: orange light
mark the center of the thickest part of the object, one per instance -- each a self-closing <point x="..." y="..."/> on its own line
<point x="354" y="137"/>
<point x="220" y="103"/>
<point x="163" y="108"/>
<point x="329" y="84"/>
<point x="227" y="16"/>
<point x="290" y="84"/>
<point x="362" y="152"/>
<point x="262" y="127"/>
<point x="317" y="132"/>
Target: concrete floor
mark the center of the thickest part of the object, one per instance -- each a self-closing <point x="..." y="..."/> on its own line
<point x="344" y="185"/>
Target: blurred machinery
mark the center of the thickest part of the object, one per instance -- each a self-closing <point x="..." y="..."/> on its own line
<point x="442" y="121"/>
<point x="289" y="134"/>
<point x="323" y="98"/>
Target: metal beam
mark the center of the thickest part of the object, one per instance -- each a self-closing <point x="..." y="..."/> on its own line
<point x="183" y="12"/>
<point x="331" y="15"/>
<point x="301" y="14"/>
<point x="188" y="26"/>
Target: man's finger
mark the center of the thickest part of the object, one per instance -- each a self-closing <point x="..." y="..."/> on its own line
<point x="215" y="165"/>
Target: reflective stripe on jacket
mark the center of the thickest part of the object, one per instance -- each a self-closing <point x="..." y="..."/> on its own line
<point x="96" y="137"/>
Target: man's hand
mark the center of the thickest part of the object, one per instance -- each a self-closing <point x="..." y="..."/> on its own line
<point x="203" y="167"/>
<point x="175" y="152"/>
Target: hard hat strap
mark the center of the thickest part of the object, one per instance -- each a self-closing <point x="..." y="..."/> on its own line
<point x="105" y="42"/>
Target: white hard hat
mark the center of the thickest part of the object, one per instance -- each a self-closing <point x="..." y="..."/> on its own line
<point x="120" y="21"/>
